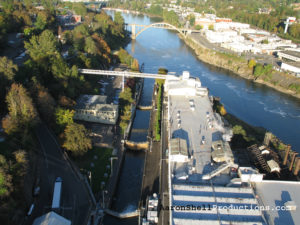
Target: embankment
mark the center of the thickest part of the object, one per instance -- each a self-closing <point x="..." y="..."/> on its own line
<point x="282" y="82"/>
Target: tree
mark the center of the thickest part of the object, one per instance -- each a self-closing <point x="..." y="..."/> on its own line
<point x="192" y="19"/>
<point x="238" y="130"/>
<point x="258" y="70"/>
<point x="135" y="65"/>
<point x="80" y="9"/>
<point x="119" y="19"/>
<point x="41" y="22"/>
<point x="64" y="117"/>
<point x="5" y="183"/>
<point x="90" y="46"/>
<point x="22" y="114"/>
<point x="5" y="178"/>
<point x="76" y="139"/>
<point x="294" y="30"/>
<point x="7" y="69"/>
<point x="7" y="74"/>
<point x="126" y="96"/>
<point x="198" y="27"/>
<point x="43" y="46"/>
<point x="251" y="63"/>
<point x="265" y="41"/>
<point x="211" y="27"/>
<point x="45" y="103"/>
<point x="171" y="17"/>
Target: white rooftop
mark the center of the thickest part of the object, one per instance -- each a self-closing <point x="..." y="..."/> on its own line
<point x="191" y="118"/>
<point x="276" y="194"/>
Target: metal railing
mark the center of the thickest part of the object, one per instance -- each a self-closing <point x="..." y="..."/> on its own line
<point x="126" y="74"/>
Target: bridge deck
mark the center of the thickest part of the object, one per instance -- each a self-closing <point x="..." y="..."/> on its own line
<point x="125" y="74"/>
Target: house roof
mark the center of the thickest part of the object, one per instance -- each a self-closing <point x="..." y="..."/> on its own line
<point x="90" y="101"/>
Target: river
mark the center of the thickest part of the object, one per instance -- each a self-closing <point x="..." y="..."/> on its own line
<point x="254" y="103"/>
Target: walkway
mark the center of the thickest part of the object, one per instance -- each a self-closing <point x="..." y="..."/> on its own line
<point x="126" y="74"/>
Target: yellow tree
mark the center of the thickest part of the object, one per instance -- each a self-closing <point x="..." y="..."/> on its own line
<point x="22" y="114"/>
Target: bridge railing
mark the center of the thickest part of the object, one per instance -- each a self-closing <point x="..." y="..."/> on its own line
<point x="125" y="74"/>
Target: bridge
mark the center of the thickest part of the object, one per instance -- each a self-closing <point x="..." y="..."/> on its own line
<point x="144" y="107"/>
<point x="135" y="32"/>
<point x="136" y="145"/>
<point x="127" y="74"/>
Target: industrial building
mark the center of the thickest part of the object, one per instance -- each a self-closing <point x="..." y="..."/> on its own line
<point x="290" y="60"/>
<point x="206" y="186"/>
<point x="93" y="108"/>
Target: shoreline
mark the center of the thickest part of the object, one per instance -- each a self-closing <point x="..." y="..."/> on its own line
<point x="195" y="46"/>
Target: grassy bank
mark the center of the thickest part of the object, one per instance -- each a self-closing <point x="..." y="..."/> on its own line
<point x="158" y="112"/>
<point x="95" y="161"/>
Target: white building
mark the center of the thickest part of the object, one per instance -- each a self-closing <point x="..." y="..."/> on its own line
<point x="291" y="67"/>
<point x="230" y="25"/>
<point x="185" y="86"/>
<point x="223" y="37"/>
<point x="237" y="47"/>
<point x="290" y="55"/>
<point x="93" y="108"/>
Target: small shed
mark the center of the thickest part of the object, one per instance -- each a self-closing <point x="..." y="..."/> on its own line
<point x="274" y="167"/>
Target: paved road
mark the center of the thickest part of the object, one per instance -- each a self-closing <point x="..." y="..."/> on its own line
<point x="75" y="200"/>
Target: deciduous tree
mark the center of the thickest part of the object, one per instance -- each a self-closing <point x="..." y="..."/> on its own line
<point x="42" y="46"/>
<point x="76" y="139"/>
<point x="64" y="117"/>
<point x="22" y="113"/>
<point x="7" y="69"/>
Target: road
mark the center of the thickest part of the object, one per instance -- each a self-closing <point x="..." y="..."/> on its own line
<point x="75" y="199"/>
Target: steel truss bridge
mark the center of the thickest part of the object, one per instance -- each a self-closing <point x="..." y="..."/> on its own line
<point x="126" y="74"/>
<point x="137" y="29"/>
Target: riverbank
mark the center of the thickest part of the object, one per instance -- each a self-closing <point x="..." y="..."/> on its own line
<point x="246" y="136"/>
<point x="281" y="82"/>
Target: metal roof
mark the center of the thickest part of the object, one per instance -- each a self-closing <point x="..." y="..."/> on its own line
<point x="178" y="146"/>
<point x="90" y="101"/>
